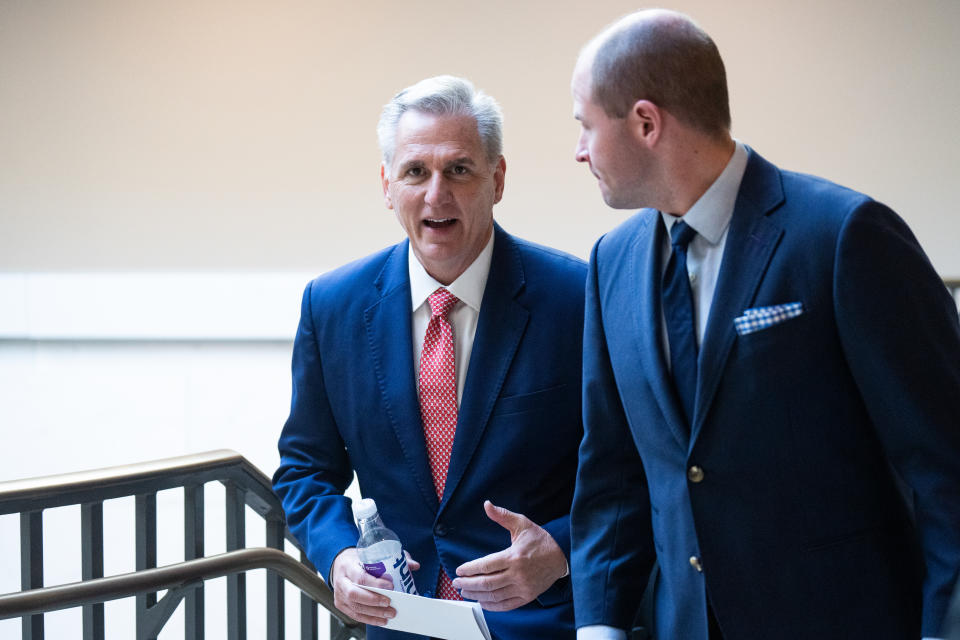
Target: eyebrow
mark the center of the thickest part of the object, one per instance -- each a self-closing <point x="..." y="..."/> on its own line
<point x="406" y="165"/>
<point x="462" y="160"/>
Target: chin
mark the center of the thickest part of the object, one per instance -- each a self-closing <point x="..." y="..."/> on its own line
<point x="613" y="202"/>
<point x="623" y="200"/>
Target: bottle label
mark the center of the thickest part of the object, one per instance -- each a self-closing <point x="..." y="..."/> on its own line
<point x="387" y="557"/>
<point x="376" y="569"/>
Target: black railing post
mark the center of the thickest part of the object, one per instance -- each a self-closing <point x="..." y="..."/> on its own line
<point x="31" y="568"/>
<point x="309" y="621"/>
<point x="237" y="583"/>
<point x="275" y="600"/>
<point x="91" y="549"/>
<point x="193" y="527"/>
<point x="146" y="541"/>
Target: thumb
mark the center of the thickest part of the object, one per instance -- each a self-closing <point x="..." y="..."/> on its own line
<point x="512" y="522"/>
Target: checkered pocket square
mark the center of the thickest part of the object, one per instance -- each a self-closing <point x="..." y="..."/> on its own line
<point x="760" y="318"/>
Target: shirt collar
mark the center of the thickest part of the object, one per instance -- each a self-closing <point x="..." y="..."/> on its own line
<point x="710" y="215"/>
<point x="468" y="287"/>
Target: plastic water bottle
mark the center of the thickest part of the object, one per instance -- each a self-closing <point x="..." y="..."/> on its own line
<point x="380" y="549"/>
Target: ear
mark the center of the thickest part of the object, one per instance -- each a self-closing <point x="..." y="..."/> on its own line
<point x="498" y="175"/>
<point x="385" y="181"/>
<point x="645" y="120"/>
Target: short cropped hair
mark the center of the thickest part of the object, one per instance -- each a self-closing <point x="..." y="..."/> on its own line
<point x="669" y="61"/>
<point x="443" y="95"/>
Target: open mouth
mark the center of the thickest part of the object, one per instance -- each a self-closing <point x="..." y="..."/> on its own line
<point x="439" y="223"/>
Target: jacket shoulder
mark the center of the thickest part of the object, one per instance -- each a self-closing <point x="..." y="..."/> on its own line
<point x="625" y="235"/>
<point x="822" y="194"/>
<point x="352" y="283"/>
<point x="547" y="258"/>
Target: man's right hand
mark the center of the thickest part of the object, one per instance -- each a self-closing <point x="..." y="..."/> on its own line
<point x="359" y="603"/>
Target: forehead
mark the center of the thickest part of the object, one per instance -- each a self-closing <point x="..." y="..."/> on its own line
<point x="581" y="86"/>
<point x="421" y="134"/>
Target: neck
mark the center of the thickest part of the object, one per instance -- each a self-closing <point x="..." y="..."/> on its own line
<point x="695" y="164"/>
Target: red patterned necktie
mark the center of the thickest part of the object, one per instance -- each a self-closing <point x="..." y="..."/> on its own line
<point x="437" y="389"/>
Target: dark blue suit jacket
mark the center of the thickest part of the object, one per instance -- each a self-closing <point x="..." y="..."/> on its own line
<point x="803" y="430"/>
<point x="355" y="408"/>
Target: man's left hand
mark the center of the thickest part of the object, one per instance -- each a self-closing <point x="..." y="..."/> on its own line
<point x="515" y="576"/>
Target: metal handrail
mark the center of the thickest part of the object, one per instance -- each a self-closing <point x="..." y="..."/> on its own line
<point x="180" y="575"/>
<point x="245" y="485"/>
<point x="47" y="492"/>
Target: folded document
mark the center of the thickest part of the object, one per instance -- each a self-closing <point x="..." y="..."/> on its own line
<point x="449" y="619"/>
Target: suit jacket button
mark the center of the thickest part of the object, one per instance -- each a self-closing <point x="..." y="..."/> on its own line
<point x="695" y="474"/>
<point x="440" y="529"/>
<point x="695" y="563"/>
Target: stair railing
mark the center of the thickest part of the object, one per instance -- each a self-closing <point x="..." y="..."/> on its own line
<point x="245" y="486"/>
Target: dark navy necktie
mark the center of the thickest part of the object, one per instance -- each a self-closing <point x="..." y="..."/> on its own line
<point x="679" y="316"/>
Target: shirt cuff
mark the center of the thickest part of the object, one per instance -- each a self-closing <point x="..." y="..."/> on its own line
<point x="600" y="632"/>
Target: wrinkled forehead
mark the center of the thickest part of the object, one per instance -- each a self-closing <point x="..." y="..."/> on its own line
<point x="437" y="136"/>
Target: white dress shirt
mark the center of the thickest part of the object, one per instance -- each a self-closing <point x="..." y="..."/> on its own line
<point x="710" y="217"/>
<point x="463" y="317"/>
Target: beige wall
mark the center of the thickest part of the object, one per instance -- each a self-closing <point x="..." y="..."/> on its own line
<point x="232" y="134"/>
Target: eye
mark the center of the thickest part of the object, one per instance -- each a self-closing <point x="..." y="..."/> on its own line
<point x="415" y="172"/>
<point x="460" y="170"/>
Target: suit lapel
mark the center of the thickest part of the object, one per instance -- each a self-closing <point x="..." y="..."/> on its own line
<point x="500" y="327"/>
<point x="389" y="333"/>
<point x="751" y="241"/>
<point x="645" y="271"/>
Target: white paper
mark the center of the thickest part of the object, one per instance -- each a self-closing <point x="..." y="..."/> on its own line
<point x="448" y="619"/>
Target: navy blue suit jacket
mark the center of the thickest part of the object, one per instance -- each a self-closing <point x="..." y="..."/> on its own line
<point x="355" y="408"/>
<point x="804" y="431"/>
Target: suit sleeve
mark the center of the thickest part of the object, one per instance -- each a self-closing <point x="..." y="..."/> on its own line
<point x="901" y="336"/>
<point x="561" y="590"/>
<point x="314" y="467"/>
<point x="612" y="544"/>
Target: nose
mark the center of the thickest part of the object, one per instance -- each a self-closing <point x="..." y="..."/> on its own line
<point x="438" y="191"/>
<point x="580" y="153"/>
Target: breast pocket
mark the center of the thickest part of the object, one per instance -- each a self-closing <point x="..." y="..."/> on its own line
<point x="788" y="335"/>
<point x="549" y="398"/>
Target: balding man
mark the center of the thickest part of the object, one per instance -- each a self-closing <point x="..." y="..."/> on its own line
<point x="771" y="377"/>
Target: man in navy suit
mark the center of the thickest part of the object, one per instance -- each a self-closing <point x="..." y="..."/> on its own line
<point x="771" y="377"/>
<point x="489" y="519"/>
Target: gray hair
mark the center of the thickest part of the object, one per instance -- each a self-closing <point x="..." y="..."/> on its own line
<point x="443" y="95"/>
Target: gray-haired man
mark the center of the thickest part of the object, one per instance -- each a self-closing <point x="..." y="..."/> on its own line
<point x="445" y="372"/>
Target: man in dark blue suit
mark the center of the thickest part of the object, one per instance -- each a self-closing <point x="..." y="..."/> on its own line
<point x="771" y="377"/>
<point x="487" y="517"/>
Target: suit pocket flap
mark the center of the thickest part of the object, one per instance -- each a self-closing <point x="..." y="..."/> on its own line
<point x="551" y="396"/>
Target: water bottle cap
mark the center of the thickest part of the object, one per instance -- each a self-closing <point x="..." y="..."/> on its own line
<point x="365" y="508"/>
